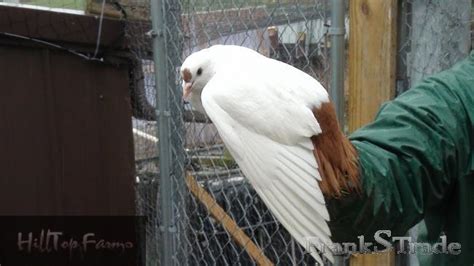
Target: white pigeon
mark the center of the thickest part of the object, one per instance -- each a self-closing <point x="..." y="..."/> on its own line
<point x="267" y="113"/>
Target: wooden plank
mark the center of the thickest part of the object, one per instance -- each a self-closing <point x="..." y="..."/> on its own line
<point x="386" y="258"/>
<point x="61" y="27"/>
<point x="227" y="222"/>
<point x="372" y="58"/>
<point x="66" y="135"/>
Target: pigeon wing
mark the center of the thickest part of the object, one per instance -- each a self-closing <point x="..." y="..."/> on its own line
<point x="267" y="128"/>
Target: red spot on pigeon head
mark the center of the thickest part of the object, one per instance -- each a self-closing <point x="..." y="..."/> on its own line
<point x="186" y="74"/>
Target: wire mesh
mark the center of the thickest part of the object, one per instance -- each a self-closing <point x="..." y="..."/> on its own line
<point x="433" y="36"/>
<point x="291" y="31"/>
<point x="295" y="32"/>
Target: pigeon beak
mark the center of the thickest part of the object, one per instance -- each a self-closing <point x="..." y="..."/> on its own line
<point x="187" y="88"/>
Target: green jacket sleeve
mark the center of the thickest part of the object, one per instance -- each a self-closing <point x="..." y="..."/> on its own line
<point x="412" y="158"/>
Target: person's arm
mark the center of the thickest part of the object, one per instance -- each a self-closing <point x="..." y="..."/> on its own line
<point x="410" y="157"/>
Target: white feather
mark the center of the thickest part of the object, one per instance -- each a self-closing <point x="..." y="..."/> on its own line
<point x="262" y="109"/>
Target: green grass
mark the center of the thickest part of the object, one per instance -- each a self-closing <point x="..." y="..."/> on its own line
<point x="70" y="4"/>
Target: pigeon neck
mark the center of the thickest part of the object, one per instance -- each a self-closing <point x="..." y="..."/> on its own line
<point x="336" y="156"/>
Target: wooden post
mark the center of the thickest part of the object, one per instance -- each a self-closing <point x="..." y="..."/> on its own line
<point x="386" y="258"/>
<point x="372" y="72"/>
<point x="372" y="58"/>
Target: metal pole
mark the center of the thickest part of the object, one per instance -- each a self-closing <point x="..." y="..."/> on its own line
<point x="337" y="31"/>
<point x="167" y="225"/>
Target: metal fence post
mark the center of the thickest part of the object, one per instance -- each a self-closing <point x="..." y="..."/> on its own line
<point x="174" y="53"/>
<point x="167" y="226"/>
<point x="337" y="31"/>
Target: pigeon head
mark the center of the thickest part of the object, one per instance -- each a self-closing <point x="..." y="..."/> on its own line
<point x="196" y="71"/>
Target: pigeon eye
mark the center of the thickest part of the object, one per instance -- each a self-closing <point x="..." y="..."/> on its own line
<point x="199" y="72"/>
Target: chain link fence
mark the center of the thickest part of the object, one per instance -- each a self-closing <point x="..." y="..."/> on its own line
<point x="295" y="33"/>
<point x="433" y="35"/>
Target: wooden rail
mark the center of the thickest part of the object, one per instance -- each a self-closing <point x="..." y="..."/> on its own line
<point x="227" y="222"/>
